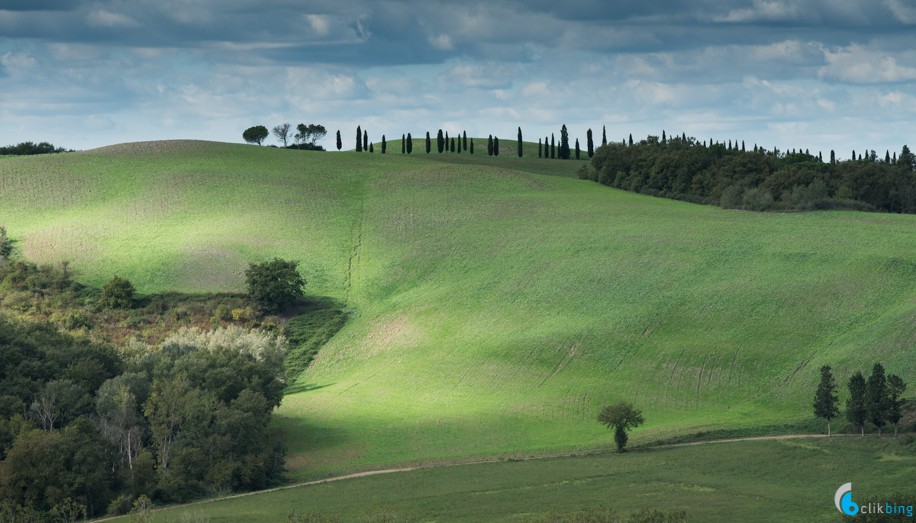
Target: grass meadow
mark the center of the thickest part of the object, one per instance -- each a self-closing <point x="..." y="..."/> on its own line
<point x="492" y="309"/>
<point x="765" y="481"/>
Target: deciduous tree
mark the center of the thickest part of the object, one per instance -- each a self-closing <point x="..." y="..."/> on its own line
<point x="274" y="285"/>
<point x="282" y="133"/>
<point x="621" y="417"/>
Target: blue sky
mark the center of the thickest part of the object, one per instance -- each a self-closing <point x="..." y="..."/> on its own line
<point x="816" y="74"/>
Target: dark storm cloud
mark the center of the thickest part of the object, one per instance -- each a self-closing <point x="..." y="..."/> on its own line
<point x="416" y="31"/>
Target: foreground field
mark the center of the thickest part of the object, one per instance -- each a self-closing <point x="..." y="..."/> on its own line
<point x="492" y="310"/>
<point x="791" y="480"/>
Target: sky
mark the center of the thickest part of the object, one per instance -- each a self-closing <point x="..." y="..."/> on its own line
<point x="813" y="74"/>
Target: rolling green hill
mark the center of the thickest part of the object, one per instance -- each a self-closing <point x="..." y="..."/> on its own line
<point x="493" y="310"/>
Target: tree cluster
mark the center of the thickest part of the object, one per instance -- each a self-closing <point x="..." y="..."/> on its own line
<point x="88" y="429"/>
<point x="30" y="148"/>
<point x="732" y="176"/>
<point x="877" y="400"/>
<point x="305" y="136"/>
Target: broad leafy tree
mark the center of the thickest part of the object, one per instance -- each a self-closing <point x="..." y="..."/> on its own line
<point x="274" y="285"/>
<point x="255" y="134"/>
<point x="621" y="417"/>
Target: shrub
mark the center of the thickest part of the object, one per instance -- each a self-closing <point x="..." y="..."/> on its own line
<point x="274" y="285"/>
<point x="118" y="293"/>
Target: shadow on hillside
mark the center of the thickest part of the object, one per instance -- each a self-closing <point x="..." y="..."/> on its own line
<point x="296" y="388"/>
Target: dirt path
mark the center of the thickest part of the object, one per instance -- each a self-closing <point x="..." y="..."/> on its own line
<point x="489" y="460"/>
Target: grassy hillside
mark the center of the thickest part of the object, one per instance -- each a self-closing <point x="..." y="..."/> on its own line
<point x="747" y="481"/>
<point x="492" y="310"/>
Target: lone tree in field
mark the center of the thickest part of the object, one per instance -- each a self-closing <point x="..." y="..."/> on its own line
<point x="274" y="285"/>
<point x="622" y="417"/>
<point x="520" y="148"/>
<point x="255" y="134"/>
<point x="825" y="399"/>
<point x="856" y="412"/>
<point x="895" y="389"/>
<point x="876" y="397"/>
<point x="359" y="139"/>
<point x="118" y="293"/>
<point x="282" y="133"/>
<point x="339" y="141"/>
<point x="384" y="145"/>
<point x="590" y="143"/>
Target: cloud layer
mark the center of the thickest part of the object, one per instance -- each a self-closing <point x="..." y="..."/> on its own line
<point x="814" y="74"/>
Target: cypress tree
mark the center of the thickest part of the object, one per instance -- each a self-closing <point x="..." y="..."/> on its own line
<point x="365" y="140"/>
<point x="895" y="389"/>
<point x="684" y="137"/>
<point x="539" y="148"/>
<point x="853" y="154"/>
<point x="578" y="152"/>
<point x="825" y="399"/>
<point x="603" y="136"/>
<point x="553" y="148"/>
<point x="339" y="141"/>
<point x="742" y="146"/>
<point x="590" y="143"/>
<point x="440" y="142"/>
<point x="876" y="397"/>
<point x="452" y="148"/>
<point x="631" y="140"/>
<point x="459" y="144"/>
<point x="495" y="146"/>
<point x="490" y="145"/>
<point x="546" y="148"/>
<point x="564" y="143"/>
<point x="832" y="157"/>
<point x="472" y="146"/>
<point x="371" y="148"/>
<point x="429" y="143"/>
<point x="446" y="141"/>
<point x="384" y="145"/>
<point x="520" y="148"/>
<point x="894" y="159"/>
<point x="464" y="138"/>
<point x="403" y="144"/>
<point x="855" y="405"/>
<point x="359" y="139"/>
<point x="664" y="139"/>
<point x="887" y="156"/>
<point x="409" y="144"/>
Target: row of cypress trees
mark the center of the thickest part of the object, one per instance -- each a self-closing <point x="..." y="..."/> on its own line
<point x="876" y="400"/>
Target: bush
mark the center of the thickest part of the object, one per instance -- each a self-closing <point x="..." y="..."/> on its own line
<point x="275" y="285"/>
<point x="118" y="293"/>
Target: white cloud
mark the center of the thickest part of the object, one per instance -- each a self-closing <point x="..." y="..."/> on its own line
<point x="321" y="25"/>
<point x="441" y="41"/>
<point x="904" y="12"/>
<point x="763" y="11"/>
<point x="857" y="64"/>
<point x="104" y="18"/>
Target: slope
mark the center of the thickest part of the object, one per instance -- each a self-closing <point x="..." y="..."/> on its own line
<point x="493" y="310"/>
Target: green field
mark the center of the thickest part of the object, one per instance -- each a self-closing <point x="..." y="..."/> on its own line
<point x="792" y="480"/>
<point x="492" y="309"/>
